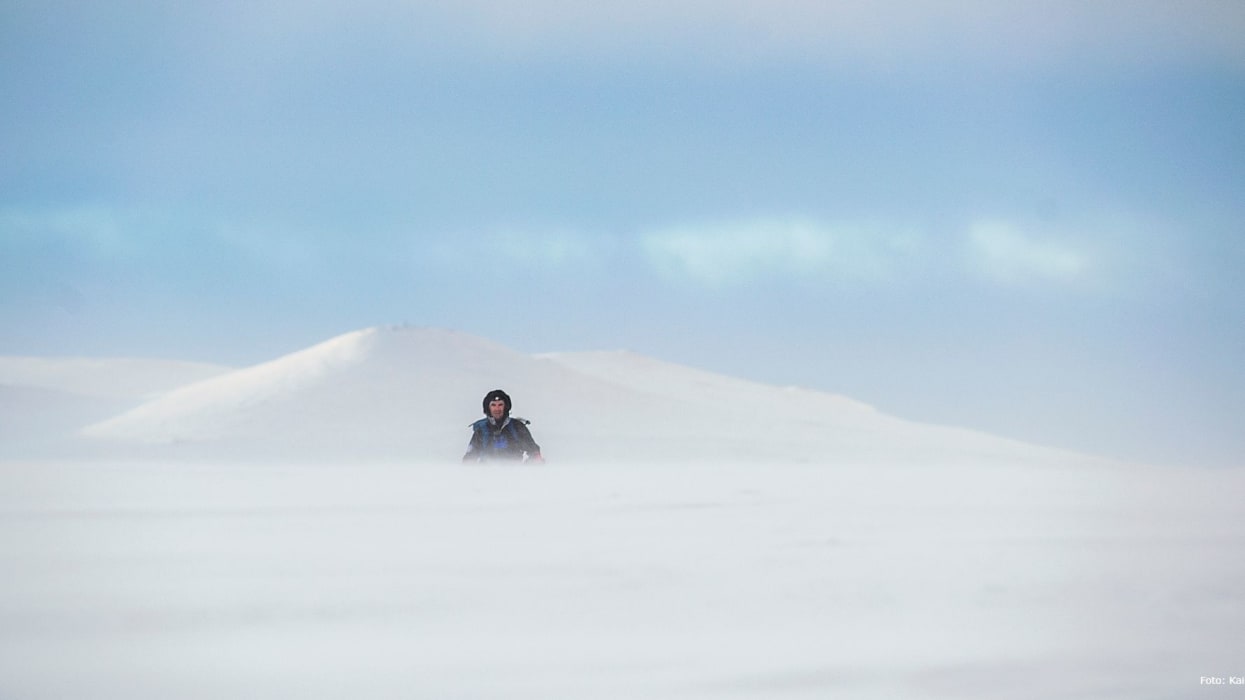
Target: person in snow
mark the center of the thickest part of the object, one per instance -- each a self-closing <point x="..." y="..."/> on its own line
<point x="499" y="436"/>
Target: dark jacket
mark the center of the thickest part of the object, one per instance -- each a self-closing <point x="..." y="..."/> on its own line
<point x="507" y="439"/>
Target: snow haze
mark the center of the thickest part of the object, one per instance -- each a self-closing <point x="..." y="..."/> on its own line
<point x="302" y="528"/>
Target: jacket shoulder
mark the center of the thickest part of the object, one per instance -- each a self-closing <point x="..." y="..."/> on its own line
<point x="480" y="424"/>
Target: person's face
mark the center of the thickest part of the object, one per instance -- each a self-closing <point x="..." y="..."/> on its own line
<point x="497" y="409"/>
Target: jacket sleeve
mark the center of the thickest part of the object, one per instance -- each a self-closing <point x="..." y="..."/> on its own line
<point x="525" y="439"/>
<point x="475" y="445"/>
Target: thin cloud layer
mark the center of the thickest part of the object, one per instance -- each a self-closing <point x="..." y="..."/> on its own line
<point x="846" y="35"/>
<point x="715" y="256"/>
<point x="1004" y="253"/>
<point x="864" y="34"/>
<point x="997" y="252"/>
<point x="549" y="249"/>
<point x="732" y="253"/>
<point x="743" y="252"/>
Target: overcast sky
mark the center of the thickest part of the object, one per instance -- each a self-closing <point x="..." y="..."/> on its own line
<point x="1027" y="220"/>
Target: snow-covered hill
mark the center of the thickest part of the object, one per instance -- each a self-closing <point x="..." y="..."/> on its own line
<point x="409" y="393"/>
<point x="396" y="392"/>
<point x="45" y="401"/>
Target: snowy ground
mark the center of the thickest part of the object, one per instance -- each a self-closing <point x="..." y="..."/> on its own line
<point x="155" y="580"/>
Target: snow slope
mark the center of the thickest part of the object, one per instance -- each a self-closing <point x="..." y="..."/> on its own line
<point x="409" y="393"/>
<point x="46" y="401"/>
<point x="396" y="392"/>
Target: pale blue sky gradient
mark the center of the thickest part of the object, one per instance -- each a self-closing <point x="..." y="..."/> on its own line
<point x="1030" y="222"/>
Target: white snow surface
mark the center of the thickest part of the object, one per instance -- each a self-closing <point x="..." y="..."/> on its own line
<point x="302" y="529"/>
<point x="149" y="580"/>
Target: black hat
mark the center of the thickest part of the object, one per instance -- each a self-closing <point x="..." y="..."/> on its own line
<point x="496" y="395"/>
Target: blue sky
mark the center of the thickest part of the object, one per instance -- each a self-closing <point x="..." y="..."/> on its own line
<point x="1029" y="221"/>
